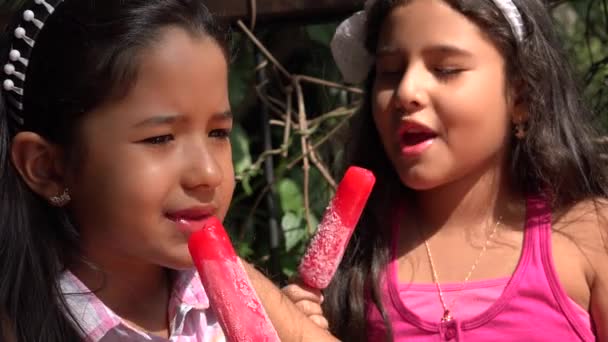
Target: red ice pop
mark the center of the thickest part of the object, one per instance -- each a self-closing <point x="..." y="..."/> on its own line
<point x="326" y="249"/>
<point x="231" y="295"/>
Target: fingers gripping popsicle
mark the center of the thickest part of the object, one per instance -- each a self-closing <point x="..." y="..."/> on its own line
<point x="231" y="295"/>
<point x="326" y="249"/>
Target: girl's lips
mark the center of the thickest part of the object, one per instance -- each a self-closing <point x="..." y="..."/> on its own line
<point x="411" y="127"/>
<point x="190" y="220"/>
<point x="415" y="138"/>
<point x="188" y="226"/>
<point x="416" y="149"/>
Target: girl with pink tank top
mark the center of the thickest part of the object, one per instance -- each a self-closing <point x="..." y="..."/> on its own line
<point x="531" y="305"/>
<point x="487" y="222"/>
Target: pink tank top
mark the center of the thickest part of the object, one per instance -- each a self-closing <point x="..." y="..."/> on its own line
<point x="529" y="306"/>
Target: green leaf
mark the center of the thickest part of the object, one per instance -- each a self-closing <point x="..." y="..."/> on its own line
<point x="314" y="222"/>
<point x="246" y="183"/>
<point x="241" y="156"/>
<point x="321" y="33"/>
<point x="244" y="250"/>
<point x="290" y="196"/>
<point x="290" y="221"/>
<point x="293" y="230"/>
<point x="290" y="265"/>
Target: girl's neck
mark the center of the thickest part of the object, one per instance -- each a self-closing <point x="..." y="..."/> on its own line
<point x="139" y="294"/>
<point x="472" y="201"/>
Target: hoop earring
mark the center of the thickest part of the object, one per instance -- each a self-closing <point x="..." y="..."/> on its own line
<point x="61" y="200"/>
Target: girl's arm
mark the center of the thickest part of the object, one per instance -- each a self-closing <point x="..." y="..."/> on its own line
<point x="291" y="324"/>
<point x="586" y="226"/>
<point x="599" y="286"/>
<point x="591" y="235"/>
<point x="599" y="303"/>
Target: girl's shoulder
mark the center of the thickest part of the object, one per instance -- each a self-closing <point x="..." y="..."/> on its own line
<point x="584" y="227"/>
<point x="586" y="224"/>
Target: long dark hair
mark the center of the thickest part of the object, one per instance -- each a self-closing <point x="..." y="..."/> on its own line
<point x="87" y="53"/>
<point x="558" y="156"/>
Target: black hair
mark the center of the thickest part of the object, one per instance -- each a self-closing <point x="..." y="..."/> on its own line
<point x="87" y="53"/>
<point x="558" y="156"/>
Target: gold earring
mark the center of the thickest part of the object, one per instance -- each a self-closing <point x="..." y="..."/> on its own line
<point x="520" y="128"/>
<point x="61" y="200"/>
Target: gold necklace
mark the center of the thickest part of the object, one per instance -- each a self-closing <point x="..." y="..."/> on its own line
<point x="447" y="315"/>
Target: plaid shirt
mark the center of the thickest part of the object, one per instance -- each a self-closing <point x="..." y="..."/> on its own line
<point x="191" y="319"/>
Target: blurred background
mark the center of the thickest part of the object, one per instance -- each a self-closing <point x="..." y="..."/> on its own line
<point x="291" y="107"/>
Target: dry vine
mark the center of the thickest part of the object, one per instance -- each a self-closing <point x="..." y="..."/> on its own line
<point x="295" y="121"/>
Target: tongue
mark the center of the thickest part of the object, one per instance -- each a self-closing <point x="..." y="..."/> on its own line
<point x="411" y="139"/>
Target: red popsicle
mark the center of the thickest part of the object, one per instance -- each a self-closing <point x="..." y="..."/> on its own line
<point x="230" y="293"/>
<point x="326" y="249"/>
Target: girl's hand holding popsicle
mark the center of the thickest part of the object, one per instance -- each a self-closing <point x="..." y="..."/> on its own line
<point x="327" y="247"/>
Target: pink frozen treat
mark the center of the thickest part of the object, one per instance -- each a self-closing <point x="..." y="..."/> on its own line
<point x="326" y="249"/>
<point x="231" y="295"/>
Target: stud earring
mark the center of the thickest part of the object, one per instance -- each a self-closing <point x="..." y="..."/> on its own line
<point x="520" y="128"/>
<point x="61" y="200"/>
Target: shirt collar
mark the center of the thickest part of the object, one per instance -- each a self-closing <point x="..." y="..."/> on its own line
<point x="96" y="319"/>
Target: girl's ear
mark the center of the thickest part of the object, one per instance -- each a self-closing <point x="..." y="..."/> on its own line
<point x="39" y="163"/>
<point x="518" y="92"/>
<point x="519" y="102"/>
<point x="520" y="115"/>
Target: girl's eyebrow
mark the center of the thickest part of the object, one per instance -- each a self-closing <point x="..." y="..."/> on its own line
<point x="225" y="115"/>
<point x="448" y="49"/>
<point x="170" y="118"/>
<point x="159" y="120"/>
<point x="387" y="50"/>
<point x="442" y="48"/>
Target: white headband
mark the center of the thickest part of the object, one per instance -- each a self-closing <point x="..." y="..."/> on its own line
<point x="353" y="59"/>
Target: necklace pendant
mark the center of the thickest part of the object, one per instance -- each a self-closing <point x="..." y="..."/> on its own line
<point x="449" y="328"/>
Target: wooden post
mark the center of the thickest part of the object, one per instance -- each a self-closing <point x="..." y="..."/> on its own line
<point x="275" y="11"/>
<point x="281" y="11"/>
<point x="270" y="11"/>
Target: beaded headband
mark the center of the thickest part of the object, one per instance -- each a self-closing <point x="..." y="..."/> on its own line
<point x="25" y="35"/>
<point x="353" y="59"/>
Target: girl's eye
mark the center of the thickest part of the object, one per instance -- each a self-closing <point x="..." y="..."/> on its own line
<point x="445" y="73"/>
<point x="220" y="133"/>
<point x="391" y="73"/>
<point x="390" y="69"/>
<point x="159" y="140"/>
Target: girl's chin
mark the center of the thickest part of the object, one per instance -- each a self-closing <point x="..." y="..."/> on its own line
<point x="180" y="263"/>
<point x="418" y="183"/>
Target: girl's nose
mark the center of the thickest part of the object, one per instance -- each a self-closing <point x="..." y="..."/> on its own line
<point x="411" y="95"/>
<point x="203" y="170"/>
